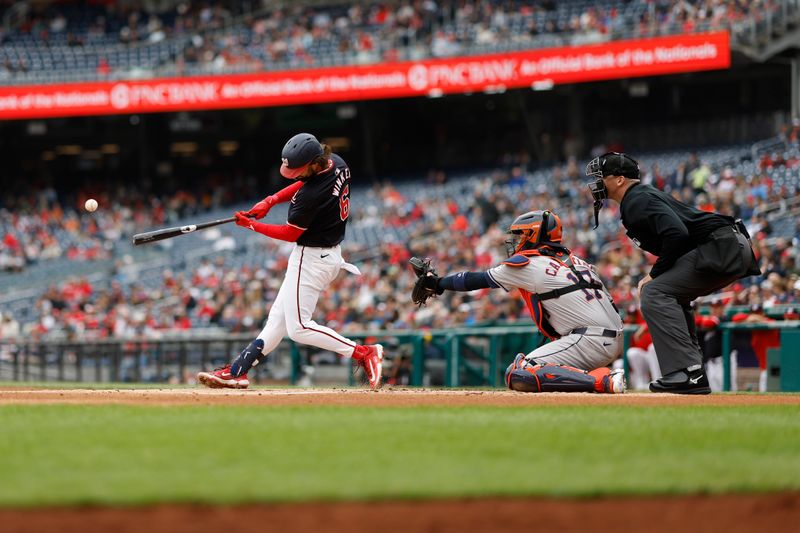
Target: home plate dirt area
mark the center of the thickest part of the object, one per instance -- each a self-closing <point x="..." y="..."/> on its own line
<point x="385" y="397"/>
<point x="725" y="513"/>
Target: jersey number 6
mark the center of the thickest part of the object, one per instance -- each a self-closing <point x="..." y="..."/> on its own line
<point x="344" y="203"/>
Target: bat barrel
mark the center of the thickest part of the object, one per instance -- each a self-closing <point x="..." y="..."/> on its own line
<point x="168" y="233"/>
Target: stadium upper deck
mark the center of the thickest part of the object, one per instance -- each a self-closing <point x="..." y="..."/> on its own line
<point x="81" y="41"/>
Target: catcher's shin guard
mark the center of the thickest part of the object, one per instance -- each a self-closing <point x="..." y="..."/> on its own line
<point x="525" y="377"/>
<point x="250" y="357"/>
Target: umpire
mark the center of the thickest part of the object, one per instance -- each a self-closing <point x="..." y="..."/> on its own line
<point x="698" y="253"/>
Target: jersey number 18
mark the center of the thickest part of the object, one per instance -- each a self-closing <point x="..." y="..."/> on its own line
<point x="587" y="275"/>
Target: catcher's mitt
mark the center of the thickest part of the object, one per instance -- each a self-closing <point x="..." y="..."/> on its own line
<point x="427" y="281"/>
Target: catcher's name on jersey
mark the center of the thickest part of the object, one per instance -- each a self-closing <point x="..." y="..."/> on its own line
<point x="322" y="206"/>
<point x="541" y="274"/>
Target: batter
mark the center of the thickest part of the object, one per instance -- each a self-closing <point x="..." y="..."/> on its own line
<point x="320" y="207"/>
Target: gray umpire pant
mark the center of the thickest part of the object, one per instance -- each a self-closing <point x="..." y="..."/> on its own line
<point x="666" y="306"/>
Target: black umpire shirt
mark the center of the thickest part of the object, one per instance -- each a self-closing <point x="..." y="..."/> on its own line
<point x="665" y="227"/>
<point x="322" y="206"/>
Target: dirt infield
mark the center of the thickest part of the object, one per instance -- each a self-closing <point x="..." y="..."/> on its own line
<point x="729" y="513"/>
<point x="387" y="397"/>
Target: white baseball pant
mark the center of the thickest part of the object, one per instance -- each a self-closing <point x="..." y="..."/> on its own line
<point x="310" y="271"/>
<point x="643" y="366"/>
<point x="585" y="352"/>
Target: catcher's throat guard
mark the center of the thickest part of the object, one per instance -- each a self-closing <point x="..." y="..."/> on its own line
<point x="512" y="243"/>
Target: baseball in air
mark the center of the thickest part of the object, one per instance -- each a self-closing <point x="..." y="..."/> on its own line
<point x="90" y="205"/>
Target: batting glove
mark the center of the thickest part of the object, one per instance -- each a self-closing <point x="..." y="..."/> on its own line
<point x="261" y="209"/>
<point x="243" y="220"/>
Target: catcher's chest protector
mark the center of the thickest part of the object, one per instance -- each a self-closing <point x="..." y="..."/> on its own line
<point x="548" y="378"/>
<point x="538" y="314"/>
<point x="534" y="301"/>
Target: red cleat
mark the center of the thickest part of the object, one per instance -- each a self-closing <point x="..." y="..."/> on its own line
<point x="221" y="378"/>
<point x="371" y="358"/>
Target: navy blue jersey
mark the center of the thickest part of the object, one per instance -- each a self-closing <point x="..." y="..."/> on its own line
<point x="321" y="207"/>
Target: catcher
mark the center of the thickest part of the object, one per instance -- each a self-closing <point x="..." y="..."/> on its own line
<point x="566" y="299"/>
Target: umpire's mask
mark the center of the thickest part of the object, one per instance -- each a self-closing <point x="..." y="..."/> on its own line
<point x="609" y="164"/>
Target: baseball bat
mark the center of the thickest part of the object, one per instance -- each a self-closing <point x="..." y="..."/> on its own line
<point x="168" y="233"/>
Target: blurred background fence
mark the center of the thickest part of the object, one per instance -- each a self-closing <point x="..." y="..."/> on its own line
<point x="469" y="356"/>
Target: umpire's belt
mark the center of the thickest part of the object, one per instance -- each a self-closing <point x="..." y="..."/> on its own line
<point x="596" y="331"/>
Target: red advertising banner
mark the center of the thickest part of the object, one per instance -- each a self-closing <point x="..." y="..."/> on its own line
<point x="531" y="68"/>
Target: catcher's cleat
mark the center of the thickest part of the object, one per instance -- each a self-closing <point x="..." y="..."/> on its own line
<point x="371" y="359"/>
<point x="609" y="381"/>
<point x="616" y="382"/>
<point x="221" y="378"/>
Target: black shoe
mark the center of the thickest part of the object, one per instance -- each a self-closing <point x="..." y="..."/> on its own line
<point x="683" y="382"/>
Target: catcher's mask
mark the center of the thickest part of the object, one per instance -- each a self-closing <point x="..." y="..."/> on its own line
<point x="533" y="229"/>
<point x="609" y="164"/>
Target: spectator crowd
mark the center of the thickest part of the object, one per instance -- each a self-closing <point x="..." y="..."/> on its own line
<point x="233" y="290"/>
<point x="250" y="36"/>
<point x="43" y="224"/>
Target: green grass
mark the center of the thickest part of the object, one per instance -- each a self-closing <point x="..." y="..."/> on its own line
<point x="64" y="454"/>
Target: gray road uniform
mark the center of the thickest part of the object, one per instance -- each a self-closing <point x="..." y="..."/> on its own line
<point x="584" y="326"/>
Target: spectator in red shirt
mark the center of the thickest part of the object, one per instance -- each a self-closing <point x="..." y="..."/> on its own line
<point x="761" y="339"/>
<point x="710" y="338"/>
<point x="103" y="68"/>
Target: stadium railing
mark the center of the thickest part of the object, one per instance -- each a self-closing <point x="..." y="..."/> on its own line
<point x="790" y="346"/>
<point x="767" y="146"/>
<point x="764" y="27"/>
<point x="453" y="357"/>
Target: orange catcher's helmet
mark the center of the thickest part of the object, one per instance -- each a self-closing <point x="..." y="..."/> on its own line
<point x="533" y="229"/>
